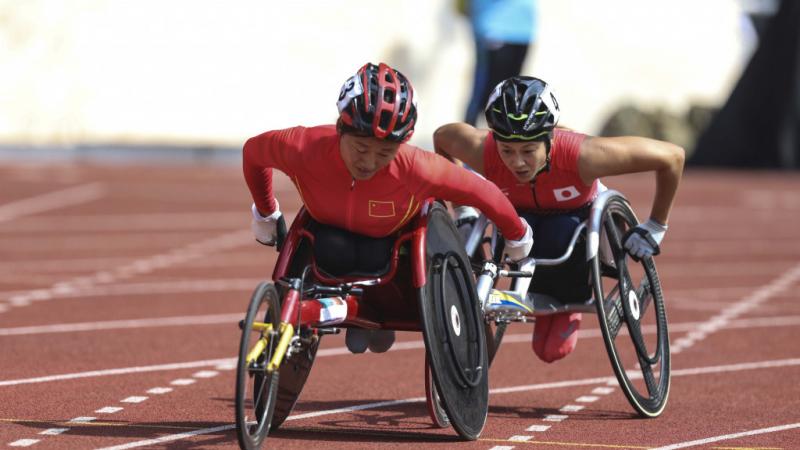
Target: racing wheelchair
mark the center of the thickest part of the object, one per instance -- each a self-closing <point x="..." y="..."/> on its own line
<point x="626" y="296"/>
<point x="428" y="286"/>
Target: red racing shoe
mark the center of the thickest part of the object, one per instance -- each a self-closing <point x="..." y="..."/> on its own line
<point x="555" y="336"/>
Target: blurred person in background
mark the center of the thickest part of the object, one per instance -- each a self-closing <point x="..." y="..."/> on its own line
<point x="361" y="183"/>
<point x="503" y="31"/>
<point x="551" y="175"/>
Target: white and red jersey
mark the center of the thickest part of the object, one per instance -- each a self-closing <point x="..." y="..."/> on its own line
<point x="560" y="188"/>
<point x="376" y="207"/>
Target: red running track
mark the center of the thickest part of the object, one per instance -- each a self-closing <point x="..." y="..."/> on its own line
<point x="121" y="286"/>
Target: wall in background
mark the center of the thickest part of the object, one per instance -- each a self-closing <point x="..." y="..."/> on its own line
<point x="203" y="71"/>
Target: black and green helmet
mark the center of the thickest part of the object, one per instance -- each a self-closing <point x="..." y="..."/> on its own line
<point x="522" y="109"/>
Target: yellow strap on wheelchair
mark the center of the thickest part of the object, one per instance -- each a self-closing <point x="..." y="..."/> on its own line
<point x="261" y="326"/>
<point x="287" y="331"/>
<point x="257" y="350"/>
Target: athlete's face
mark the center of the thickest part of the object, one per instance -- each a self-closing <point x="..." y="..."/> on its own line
<point x="365" y="156"/>
<point x="523" y="159"/>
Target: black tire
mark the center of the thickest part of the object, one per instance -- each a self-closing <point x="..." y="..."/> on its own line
<point x="256" y="391"/>
<point x="432" y="400"/>
<point x="453" y="328"/>
<point x="639" y="351"/>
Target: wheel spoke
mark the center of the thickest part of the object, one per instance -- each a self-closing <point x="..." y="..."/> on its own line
<point x="649" y="378"/>
<point x="612" y="307"/>
<point x="644" y="295"/>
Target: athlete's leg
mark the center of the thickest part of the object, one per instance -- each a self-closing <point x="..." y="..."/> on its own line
<point x="373" y="255"/>
<point x="504" y="61"/>
<point x="334" y="250"/>
<point x="479" y="83"/>
<point x="555" y="336"/>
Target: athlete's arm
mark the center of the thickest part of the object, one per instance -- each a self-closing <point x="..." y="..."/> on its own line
<point x="461" y="141"/>
<point x="434" y="176"/>
<point x="260" y="154"/>
<point x="608" y="156"/>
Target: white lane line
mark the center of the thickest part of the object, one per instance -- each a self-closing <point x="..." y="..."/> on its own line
<point x="134" y="222"/>
<point x="142" y="266"/>
<point x="205" y="374"/>
<point x="23" y="443"/>
<point x="587" y="399"/>
<point x="82" y="419"/>
<point x="502" y="447"/>
<point x="214" y="319"/>
<point x="356" y="408"/>
<point x="134" y="399"/>
<point x="520" y="438"/>
<point x="109" y="410"/>
<point x="602" y="390"/>
<point x="547" y="418"/>
<point x="230" y="363"/>
<point x="68" y="290"/>
<point x="159" y="390"/>
<point x="735" y="367"/>
<point x="53" y="200"/>
<point x="170" y="438"/>
<point x="211" y="319"/>
<point x="226" y="366"/>
<point x="761" y="322"/>
<point x="538" y="428"/>
<point x="121" y="371"/>
<point x="552" y="385"/>
<point x="555" y="417"/>
<point x="571" y="408"/>
<point x="729" y="436"/>
<point x="54" y="431"/>
<point x="182" y="382"/>
<point x="731" y="312"/>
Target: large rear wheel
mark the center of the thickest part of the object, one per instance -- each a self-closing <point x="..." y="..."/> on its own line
<point x="631" y="312"/>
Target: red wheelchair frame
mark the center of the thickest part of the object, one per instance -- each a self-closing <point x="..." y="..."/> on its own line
<point x="399" y="299"/>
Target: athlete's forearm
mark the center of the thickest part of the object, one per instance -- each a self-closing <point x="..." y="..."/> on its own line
<point x="463" y="187"/>
<point x="667" y="180"/>
<point x="258" y="175"/>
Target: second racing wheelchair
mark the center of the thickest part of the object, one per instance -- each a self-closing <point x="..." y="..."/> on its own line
<point x="627" y="299"/>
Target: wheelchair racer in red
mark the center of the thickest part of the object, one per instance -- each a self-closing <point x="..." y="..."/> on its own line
<point x="361" y="182"/>
<point x="551" y="175"/>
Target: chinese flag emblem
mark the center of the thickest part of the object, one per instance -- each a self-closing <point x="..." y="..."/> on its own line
<point x="381" y="209"/>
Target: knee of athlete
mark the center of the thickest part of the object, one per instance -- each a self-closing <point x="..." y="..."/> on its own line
<point x="334" y="253"/>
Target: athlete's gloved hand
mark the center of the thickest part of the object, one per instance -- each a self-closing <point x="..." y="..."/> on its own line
<point x="643" y="240"/>
<point x="520" y="249"/>
<point x="266" y="228"/>
<point x="465" y="214"/>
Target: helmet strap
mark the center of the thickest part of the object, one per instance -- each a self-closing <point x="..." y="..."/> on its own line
<point x="546" y="166"/>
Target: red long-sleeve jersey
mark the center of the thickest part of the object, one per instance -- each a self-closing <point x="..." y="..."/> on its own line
<point x="376" y="207"/>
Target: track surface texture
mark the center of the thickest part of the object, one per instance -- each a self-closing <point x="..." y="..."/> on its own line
<point x="121" y="287"/>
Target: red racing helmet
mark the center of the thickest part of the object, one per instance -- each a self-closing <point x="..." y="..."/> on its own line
<point x="378" y="101"/>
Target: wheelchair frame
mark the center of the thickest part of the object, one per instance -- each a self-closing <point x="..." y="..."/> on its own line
<point x="518" y="305"/>
<point x="291" y="326"/>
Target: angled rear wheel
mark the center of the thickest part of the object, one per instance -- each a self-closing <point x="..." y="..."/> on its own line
<point x="632" y="315"/>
